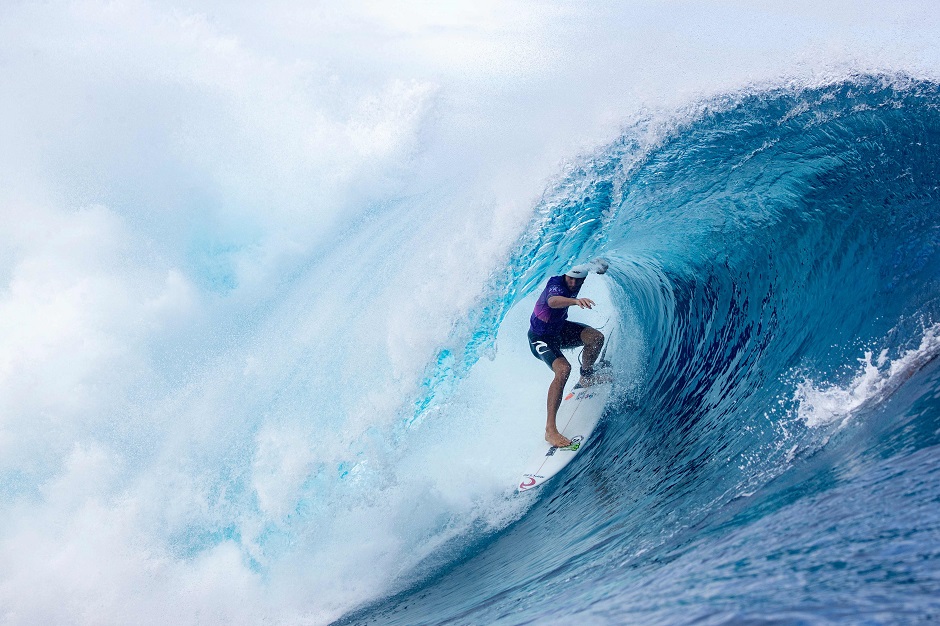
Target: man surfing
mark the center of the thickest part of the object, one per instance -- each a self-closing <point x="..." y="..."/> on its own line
<point x="550" y="332"/>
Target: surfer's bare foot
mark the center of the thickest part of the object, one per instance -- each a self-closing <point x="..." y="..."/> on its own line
<point x="557" y="439"/>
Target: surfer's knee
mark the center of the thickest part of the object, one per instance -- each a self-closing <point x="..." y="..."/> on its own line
<point x="562" y="368"/>
<point x="593" y="337"/>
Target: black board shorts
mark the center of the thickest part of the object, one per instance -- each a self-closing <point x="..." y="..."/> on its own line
<point x="547" y="348"/>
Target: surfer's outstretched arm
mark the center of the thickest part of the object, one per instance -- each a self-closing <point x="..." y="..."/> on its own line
<point x="561" y="302"/>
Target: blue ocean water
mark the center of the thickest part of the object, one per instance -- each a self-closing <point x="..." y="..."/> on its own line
<point x="772" y="454"/>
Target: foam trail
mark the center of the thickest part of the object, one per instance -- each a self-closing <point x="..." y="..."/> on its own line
<point x="875" y="380"/>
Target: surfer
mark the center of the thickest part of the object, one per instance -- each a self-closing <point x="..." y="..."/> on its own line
<point x="550" y="332"/>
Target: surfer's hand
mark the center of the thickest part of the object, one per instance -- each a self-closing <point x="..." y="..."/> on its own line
<point x="585" y="303"/>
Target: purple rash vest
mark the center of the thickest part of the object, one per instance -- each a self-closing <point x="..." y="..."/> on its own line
<point x="546" y="320"/>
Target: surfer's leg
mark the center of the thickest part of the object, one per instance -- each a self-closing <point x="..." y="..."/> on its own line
<point x="562" y="370"/>
<point x="593" y="341"/>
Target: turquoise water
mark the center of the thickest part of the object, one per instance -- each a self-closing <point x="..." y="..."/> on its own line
<point x="774" y="456"/>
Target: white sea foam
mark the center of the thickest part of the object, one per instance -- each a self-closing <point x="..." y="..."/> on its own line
<point x="234" y="236"/>
<point x="875" y="379"/>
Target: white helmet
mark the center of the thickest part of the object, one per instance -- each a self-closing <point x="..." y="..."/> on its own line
<point x="579" y="271"/>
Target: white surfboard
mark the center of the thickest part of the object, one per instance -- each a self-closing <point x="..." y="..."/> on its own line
<point x="578" y="414"/>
